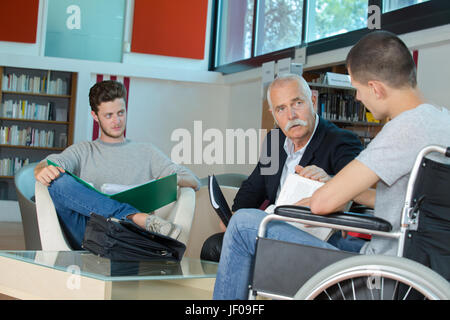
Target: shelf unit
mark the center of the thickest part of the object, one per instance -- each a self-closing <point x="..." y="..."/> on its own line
<point x="354" y="116"/>
<point x="37" y="111"/>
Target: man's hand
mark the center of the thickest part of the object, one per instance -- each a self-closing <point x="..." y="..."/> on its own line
<point x="304" y="202"/>
<point x="45" y="174"/>
<point x="312" y="172"/>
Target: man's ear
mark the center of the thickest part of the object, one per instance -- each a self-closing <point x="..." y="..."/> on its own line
<point x="94" y="115"/>
<point x="273" y="116"/>
<point x="313" y="100"/>
<point x="378" y="88"/>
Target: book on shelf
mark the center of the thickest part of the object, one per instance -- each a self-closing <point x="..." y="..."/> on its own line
<point x="344" y="107"/>
<point x="60" y="114"/>
<point x="23" y="109"/>
<point x="370" y="118"/>
<point x="34" y="84"/>
<point x="31" y="137"/>
<point x="297" y="188"/>
<point x="10" y="166"/>
<point x="145" y="197"/>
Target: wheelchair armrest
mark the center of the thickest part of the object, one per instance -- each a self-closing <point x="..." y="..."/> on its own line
<point x="349" y="219"/>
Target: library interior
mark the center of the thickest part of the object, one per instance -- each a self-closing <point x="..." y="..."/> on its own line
<point x="197" y="77"/>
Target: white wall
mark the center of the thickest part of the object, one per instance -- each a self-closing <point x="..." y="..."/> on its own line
<point x="158" y="107"/>
<point x="434" y="73"/>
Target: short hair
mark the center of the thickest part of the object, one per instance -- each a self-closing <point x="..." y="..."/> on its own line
<point x="105" y="91"/>
<point x="289" y="77"/>
<point x="382" y="56"/>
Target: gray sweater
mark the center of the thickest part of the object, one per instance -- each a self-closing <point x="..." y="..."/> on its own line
<point x="125" y="163"/>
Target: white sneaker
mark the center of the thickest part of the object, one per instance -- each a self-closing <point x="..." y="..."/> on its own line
<point x="156" y="224"/>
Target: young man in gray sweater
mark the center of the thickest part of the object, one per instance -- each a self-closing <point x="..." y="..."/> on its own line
<point x="110" y="159"/>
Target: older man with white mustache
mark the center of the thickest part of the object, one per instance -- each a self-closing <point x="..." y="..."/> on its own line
<point x="308" y="145"/>
<point x="291" y="104"/>
<point x="303" y="142"/>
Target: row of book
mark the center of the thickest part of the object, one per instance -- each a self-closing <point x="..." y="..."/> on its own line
<point x="23" y="109"/>
<point x="9" y="166"/>
<point x="27" y="137"/>
<point x="34" y="84"/>
<point x="337" y="106"/>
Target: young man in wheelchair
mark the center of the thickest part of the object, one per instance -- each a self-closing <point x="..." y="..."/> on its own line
<point x="384" y="75"/>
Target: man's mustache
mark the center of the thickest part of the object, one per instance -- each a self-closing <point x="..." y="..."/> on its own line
<point x="295" y="122"/>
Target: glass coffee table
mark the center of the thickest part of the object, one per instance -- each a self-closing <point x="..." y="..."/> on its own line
<point x="83" y="275"/>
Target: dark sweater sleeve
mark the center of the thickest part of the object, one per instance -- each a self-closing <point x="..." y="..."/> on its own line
<point x="347" y="147"/>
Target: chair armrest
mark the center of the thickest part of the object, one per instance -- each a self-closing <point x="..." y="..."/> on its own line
<point x="183" y="212"/>
<point x="349" y="219"/>
<point x="51" y="234"/>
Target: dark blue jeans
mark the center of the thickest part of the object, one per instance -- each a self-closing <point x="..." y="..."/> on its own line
<point x="74" y="204"/>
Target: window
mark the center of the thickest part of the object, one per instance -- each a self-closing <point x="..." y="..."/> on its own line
<point x="329" y="18"/>
<point x="279" y="25"/>
<point x="235" y="30"/>
<point x="391" y="5"/>
<point x="247" y="33"/>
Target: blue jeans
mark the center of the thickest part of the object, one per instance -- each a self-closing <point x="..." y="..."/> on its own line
<point x="238" y="250"/>
<point x="74" y="203"/>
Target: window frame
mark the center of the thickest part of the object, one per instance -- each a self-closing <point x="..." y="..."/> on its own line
<point x="417" y="17"/>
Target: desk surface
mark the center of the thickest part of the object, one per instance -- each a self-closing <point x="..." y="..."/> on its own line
<point x="109" y="279"/>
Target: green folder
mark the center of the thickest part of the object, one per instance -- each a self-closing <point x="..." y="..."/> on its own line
<point x="146" y="197"/>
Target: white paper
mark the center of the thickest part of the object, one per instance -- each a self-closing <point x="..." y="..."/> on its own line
<point x="337" y="79"/>
<point x="268" y="74"/>
<point x="284" y="66"/>
<point x="294" y="189"/>
<point x="110" y="188"/>
<point x="300" y="55"/>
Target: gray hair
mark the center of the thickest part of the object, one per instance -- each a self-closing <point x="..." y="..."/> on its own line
<point x="290" y="77"/>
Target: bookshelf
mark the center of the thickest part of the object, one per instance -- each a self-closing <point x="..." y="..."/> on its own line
<point x="37" y="110"/>
<point x="338" y="104"/>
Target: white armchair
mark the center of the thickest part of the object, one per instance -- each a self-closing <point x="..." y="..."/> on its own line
<point x="181" y="212"/>
<point x="50" y="232"/>
<point x="206" y="221"/>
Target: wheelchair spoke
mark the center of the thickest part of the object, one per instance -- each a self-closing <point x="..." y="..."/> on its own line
<point x="371" y="294"/>
<point x="340" y="289"/>
<point x="407" y="293"/>
<point x="329" y="298"/>
<point x="395" y="290"/>
<point x="353" y="289"/>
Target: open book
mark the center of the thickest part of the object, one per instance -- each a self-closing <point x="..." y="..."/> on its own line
<point x="294" y="189"/>
<point x="145" y="197"/>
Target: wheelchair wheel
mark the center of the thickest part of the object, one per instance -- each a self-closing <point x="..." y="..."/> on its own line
<point x="375" y="277"/>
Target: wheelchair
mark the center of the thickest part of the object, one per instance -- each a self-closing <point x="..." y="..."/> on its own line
<point x="421" y="269"/>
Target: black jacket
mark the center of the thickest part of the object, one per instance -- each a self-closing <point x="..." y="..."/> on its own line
<point x="330" y="148"/>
